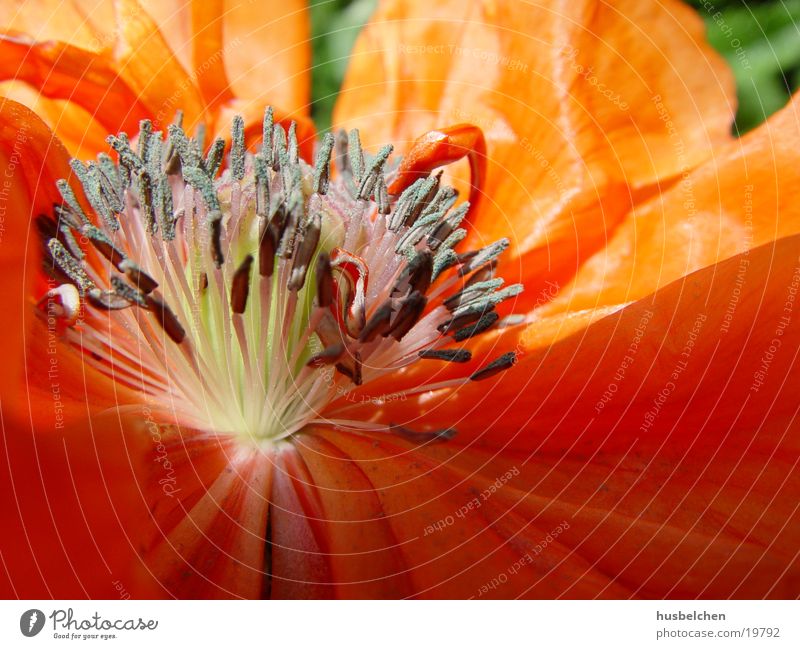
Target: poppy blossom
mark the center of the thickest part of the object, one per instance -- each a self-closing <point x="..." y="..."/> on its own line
<point x="523" y="327"/>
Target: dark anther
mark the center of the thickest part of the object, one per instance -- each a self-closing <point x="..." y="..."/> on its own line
<point x="107" y="300"/>
<point x="288" y="233"/>
<point x="215" y="222"/>
<point x="421" y="271"/>
<point x="46" y="227"/>
<point x="267" y="245"/>
<point x="450" y="355"/>
<point x="305" y="251"/>
<point x="166" y="318"/>
<point x="378" y="323"/>
<point x="324" y="281"/>
<point x="485" y="322"/>
<point x="417" y="274"/>
<point x="103" y="245"/>
<point x="327" y="356"/>
<point x="346" y="371"/>
<point x="357" y="368"/>
<point x="138" y="277"/>
<point x="127" y="292"/>
<point x="66" y="237"/>
<point x="240" y="285"/>
<point x="466" y="317"/>
<point x="495" y="367"/>
<point x="409" y="314"/>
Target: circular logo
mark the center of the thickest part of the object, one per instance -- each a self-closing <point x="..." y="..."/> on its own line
<point x="31" y="622"/>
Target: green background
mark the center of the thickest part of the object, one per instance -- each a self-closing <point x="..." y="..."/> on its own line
<point x="768" y="32"/>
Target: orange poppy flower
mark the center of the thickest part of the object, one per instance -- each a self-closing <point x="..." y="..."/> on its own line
<point x="236" y="369"/>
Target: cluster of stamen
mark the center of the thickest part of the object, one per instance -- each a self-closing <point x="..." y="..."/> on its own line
<point x="246" y="298"/>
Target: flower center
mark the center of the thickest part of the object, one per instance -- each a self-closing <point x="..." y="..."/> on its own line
<point x="247" y="298"/>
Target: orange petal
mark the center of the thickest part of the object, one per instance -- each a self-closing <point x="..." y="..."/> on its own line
<point x="148" y="65"/>
<point x="73" y="517"/>
<point x="417" y="496"/>
<point x="208" y="52"/>
<point x="74" y="126"/>
<point x="364" y="556"/>
<point x="209" y="500"/>
<point x="31" y="160"/>
<point x="661" y="433"/>
<point x="443" y="147"/>
<point x="300" y="566"/>
<point x="88" y="24"/>
<point x="257" y="54"/>
<point x="268" y="53"/>
<point x="62" y="71"/>
<point x="117" y="76"/>
<point x="562" y="157"/>
<point x="745" y="196"/>
<point x="663" y="523"/>
<point x="465" y="526"/>
<point x="597" y="385"/>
